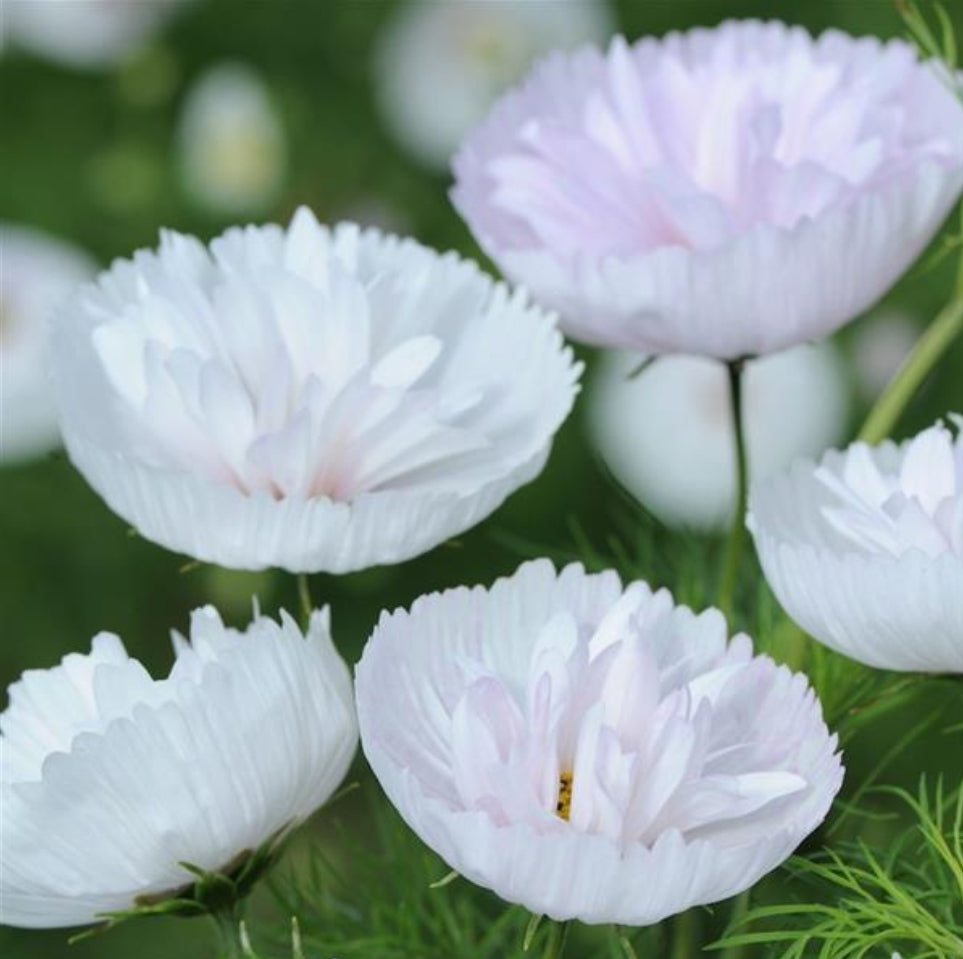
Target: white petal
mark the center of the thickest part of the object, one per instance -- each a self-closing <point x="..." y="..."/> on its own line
<point x="774" y="768"/>
<point x="890" y="611"/>
<point x="308" y="398"/>
<point x="247" y="740"/>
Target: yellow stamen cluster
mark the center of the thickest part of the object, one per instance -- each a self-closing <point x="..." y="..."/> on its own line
<point x="563" y="805"/>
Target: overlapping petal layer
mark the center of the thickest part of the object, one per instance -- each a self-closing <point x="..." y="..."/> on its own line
<point x="591" y="752"/>
<point x="865" y="550"/>
<point x="725" y="192"/>
<point x="306" y="398"/>
<point x="111" y="779"/>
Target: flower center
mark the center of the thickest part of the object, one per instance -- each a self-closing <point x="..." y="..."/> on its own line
<point x="563" y="805"/>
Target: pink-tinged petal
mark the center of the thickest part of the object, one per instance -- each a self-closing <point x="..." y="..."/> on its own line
<point x="727" y="192"/>
<point x="306" y="397"/>
<point x="573" y="783"/>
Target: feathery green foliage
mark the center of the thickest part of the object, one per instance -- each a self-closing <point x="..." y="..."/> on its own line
<point x="863" y="901"/>
<point x="385" y="894"/>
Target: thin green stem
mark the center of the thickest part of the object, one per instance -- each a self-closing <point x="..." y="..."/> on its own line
<point x="928" y="351"/>
<point x="737" y="535"/>
<point x="304" y="596"/>
<point x="625" y="944"/>
<point x="685" y="935"/>
<point x="555" y="943"/>
<point x="740" y="909"/>
<point x="228" y="924"/>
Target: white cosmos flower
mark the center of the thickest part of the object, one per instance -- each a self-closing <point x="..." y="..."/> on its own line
<point x="304" y="397"/>
<point x="865" y="550"/>
<point x="84" y="33"/>
<point x="110" y="778"/>
<point x="37" y="273"/>
<point x="666" y="434"/>
<point x="231" y="141"/>
<point x="727" y="192"/>
<point x="440" y="64"/>
<point x="592" y="751"/>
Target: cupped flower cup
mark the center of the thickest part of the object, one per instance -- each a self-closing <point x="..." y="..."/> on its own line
<point x="111" y="781"/>
<point x="726" y="192"/>
<point x="864" y="550"/>
<point x="589" y="750"/>
<point x="306" y="398"/>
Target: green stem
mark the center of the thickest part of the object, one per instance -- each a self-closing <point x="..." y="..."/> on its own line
<point x="304" y="596"/>
<point x="685" y="934"/>
<point x="555" y="943"/>
<point x="737" y="535"/>
<point x="228" y="926"/>
<point x="909" y="377"/>
<point x="740" y="909"/>
<point x="625" y="944"/>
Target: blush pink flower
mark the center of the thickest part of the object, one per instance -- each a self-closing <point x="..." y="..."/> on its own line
<point x="592" y="751"/>
<point x="725" y="192"/>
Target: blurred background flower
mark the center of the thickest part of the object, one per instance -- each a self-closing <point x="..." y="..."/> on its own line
<point x="879" y="344"/>
<point x="666" y="432"/>
<point x="439" y="64"/>
<point x="233" y="151"/>
<point x="94" y="34"/>
<point x="37" y="274"/>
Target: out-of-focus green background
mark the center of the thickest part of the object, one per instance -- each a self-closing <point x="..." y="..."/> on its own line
<point x="91" y="156"/>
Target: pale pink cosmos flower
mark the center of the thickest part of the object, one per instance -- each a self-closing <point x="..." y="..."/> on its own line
<point x="725" y="192"/>
<point x="865" y="549"/>
<point x="592" y="751"/>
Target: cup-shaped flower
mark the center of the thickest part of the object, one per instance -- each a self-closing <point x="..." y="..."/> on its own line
<point x="864" y="550"/>
<point x="667" y="433"/>
<point x="724" y="192"/>
<point x="110" y="779"/>
<point x="589" y="751"/>
<point x="306" y="398"/>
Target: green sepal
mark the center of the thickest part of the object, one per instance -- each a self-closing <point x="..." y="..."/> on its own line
<point x="210" y="893"/>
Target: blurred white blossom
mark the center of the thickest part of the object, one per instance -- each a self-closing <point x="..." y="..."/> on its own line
<point x="666" y="434"/>
<point x="83" y="33"/>
<point x="232" y="145"/>
<point x="37" y="274"/>
<point x="880" y="344"/>
<point x="441" y="63"/>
